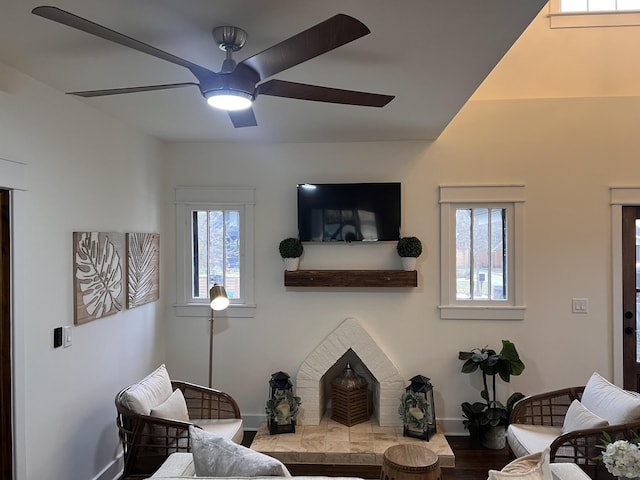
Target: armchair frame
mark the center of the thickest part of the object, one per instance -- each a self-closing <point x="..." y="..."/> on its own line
<point x="581" y="447"/>
<point x="147" y="441"/>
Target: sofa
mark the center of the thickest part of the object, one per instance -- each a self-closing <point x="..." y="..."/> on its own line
<point x="572" y="422"/>
<point x="181" y="466"/>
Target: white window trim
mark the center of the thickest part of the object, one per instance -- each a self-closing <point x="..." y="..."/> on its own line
<point x="202" y="198"/>
<point x="618" y="18"/>
<point x="450" y="198"/>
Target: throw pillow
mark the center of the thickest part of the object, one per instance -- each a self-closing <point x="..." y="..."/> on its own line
<point x="215" y="456"/>
<point x="531" y="467"/>
<point x="153" y="389"/>
<point x="173" y="408"/>
<point x="610" y="401"/>
<point x="578" y="417"/>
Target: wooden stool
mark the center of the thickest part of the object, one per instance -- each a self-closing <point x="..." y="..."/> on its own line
<point x="410" y="462"/>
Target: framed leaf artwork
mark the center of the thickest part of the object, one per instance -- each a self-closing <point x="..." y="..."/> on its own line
<point x="143" y="268"/>
<point x="98" y="275"/>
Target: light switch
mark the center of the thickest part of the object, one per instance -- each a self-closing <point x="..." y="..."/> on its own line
<point x="580" y="305"/>
<point x="66" y="336"/>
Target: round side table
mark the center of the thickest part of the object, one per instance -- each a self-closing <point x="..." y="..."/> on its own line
<point x="410" y="462"/>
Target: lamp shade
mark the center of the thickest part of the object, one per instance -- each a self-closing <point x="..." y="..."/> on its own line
<point x="229" y="99"/>
<point x="218" y="297"/>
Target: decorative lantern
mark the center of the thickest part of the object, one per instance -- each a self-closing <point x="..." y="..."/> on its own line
<point x="282" y="406"/>
<point x="350" y="402"/>
<point x="417" y="409"/>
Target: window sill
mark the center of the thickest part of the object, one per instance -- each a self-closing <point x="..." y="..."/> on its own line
<point x="203" y="310"/>
<point x="457" y="312"/>
<point x="593" y="19"/>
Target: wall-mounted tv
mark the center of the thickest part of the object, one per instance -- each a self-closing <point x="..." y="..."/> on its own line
<point x="349" y="212"/>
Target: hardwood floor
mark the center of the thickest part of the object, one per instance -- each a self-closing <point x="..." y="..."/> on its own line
<point x="472" y="462"/>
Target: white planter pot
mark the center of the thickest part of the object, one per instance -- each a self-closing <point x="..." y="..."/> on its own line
<point x="291" y="264"/>
<point x="408" y="263"/>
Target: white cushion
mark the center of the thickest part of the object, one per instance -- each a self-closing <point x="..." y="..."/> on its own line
<point x="216" y="456"/>
<point x="173" y="408"/>
<point x="230" y="428"/>
<point x="578" y="417"/>
<point x="527" y="439"/>
<point x="531" y="467"/>
<point x="568" y="471"/>
<point x="609" y="401"/>
<point x="152" y="390"/>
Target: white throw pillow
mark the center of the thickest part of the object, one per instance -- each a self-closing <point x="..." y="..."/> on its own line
<point x="531" y="467"/>
<point x="579" y="417"/>
<point x="173" y="408"/>
<point x="215" y="456"/>
<point x="152" y="390"/>
<point x="609" y="401"/>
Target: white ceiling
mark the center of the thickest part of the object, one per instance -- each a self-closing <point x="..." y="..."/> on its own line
<point x="430" y="54"/>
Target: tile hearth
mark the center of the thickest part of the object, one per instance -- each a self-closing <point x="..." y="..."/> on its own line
<point x="334" y="443"/>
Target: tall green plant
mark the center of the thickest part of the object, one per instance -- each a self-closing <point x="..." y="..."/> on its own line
<point x="491" y="412"/>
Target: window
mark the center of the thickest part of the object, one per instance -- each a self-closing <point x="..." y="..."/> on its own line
<point x="481" y="252"/>
<point x="593" y="13"/>
<point x="214" y="245"/>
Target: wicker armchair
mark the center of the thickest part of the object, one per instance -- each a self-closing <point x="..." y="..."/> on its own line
<point x="147" y="441"/>
<point x="580" y="447"/>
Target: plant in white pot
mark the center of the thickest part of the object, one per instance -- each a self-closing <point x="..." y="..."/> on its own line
<point x="409" y="249"/>
<point x="291" y="250"/>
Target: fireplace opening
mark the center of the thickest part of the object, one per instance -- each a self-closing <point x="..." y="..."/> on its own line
<point x="349" y="342"/>
<point x="359" y="368"/>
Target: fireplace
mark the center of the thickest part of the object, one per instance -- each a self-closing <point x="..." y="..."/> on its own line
<point x="349" y="342"/>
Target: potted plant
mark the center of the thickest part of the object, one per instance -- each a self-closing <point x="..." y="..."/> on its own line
<point x="487" y="421"/>
<point x="290" y="250"/>
<point x="409" y="249"/>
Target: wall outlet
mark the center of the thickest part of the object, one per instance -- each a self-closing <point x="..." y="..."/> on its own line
<point x="66" y="336"/>
<point x="580" y="305"/>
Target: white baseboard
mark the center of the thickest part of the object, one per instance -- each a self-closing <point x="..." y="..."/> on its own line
<point x="113" y="471"/>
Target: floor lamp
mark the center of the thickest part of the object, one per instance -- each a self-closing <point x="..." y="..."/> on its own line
<point x="219" y="301"/>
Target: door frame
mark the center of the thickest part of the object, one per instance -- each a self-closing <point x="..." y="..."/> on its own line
<point x="619" y="197"/>
<point x="13" y="175"/>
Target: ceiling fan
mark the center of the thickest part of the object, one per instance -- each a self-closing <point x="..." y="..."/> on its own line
<point x="237" y="85"/>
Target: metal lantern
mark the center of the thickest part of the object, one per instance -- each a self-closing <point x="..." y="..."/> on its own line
<point x="282" y="405"/>
<point x="418" y="410"/>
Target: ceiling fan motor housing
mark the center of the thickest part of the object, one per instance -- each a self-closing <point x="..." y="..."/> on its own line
<point x="243" y="79"/>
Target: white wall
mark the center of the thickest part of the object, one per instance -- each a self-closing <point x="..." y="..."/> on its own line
<point x="83" y="172"/>
<point x="566" y="152"/>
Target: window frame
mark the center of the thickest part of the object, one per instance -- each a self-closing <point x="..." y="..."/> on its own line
<point x="188" y="199"/>
<point x="614" y="18"/>
<point x="510" y="197"/>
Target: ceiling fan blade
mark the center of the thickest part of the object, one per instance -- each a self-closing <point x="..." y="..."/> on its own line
<point x="118" y="91"/>
<point x="82" y="24"/>
<point x="243" y="118"/>
<point x="324" y="37"/>
<point x="281" y="88"/>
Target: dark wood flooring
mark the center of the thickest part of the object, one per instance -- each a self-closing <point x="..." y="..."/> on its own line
<point x="473" y="462"/>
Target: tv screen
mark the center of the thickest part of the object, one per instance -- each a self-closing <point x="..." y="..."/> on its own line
<point x="349" y="212"/>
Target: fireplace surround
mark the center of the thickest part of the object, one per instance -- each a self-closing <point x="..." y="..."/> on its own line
<point x="349" y="342"/>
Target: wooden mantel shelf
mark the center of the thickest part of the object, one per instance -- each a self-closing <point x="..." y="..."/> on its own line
<point x="350" y="278"/>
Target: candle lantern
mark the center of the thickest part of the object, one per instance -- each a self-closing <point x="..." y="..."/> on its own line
<point x="282" y="406"/>
<point x="417" y="409"/>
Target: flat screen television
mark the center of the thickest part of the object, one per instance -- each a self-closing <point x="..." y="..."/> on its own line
<point x="349" y="212"/>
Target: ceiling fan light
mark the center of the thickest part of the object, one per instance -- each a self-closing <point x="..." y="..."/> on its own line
<point x="229" y="99"/>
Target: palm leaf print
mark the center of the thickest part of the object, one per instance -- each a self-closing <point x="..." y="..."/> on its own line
<point x="99" y="274"/>
<point x="142" y="272"/>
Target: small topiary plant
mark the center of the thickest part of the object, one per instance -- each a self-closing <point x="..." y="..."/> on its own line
<point x="409" y="247"/>
<point x="290" y="248"/>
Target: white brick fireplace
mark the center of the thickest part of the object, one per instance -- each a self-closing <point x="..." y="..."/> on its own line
<point x="349" y="342"/>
